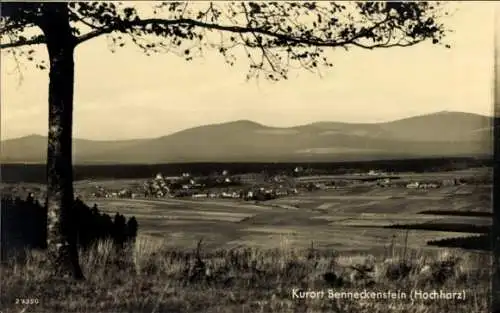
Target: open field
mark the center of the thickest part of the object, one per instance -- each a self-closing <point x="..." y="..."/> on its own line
<point x="344" y="220"/>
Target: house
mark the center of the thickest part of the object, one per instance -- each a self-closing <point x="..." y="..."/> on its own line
<point x="319" y="185"/>
<point x="384" y="182"/>
<point x="373" y="173"/>
<point x="413" y="185"/>
<point x="298" y="169"/>
<point x="125" y="193"/>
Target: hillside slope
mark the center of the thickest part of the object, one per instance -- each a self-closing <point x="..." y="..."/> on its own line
<point x="438" y="134"/>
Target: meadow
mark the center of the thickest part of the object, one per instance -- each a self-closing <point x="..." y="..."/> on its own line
<point x="344" y="220"/>
<point x="151" y="277"/>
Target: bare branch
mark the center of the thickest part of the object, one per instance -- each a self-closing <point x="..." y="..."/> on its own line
<point x="259" y="42"/>
<point x="384" y="45"/>
<point x="17" y="68"/>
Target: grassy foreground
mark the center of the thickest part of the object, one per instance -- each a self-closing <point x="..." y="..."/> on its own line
<point x="149" y="278"/>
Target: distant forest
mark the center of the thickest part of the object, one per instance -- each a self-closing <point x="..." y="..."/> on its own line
<point x="36" y="173"/>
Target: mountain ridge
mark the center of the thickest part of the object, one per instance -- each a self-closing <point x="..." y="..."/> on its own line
<point x="437" y="134"/>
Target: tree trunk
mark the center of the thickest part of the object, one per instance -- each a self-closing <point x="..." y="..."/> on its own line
<point x="61" y="230"/>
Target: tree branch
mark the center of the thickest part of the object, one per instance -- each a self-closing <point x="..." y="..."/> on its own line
<point x="94" y="34"/>
<point x="383" y="45"/>
<point x="20" y="43"/>
<point x="259" y="42"/>
<point x="82" y="20"/>
<point x="123" y="26"/>
<point x="280" y="36"/>
<point x="13" y="28"/>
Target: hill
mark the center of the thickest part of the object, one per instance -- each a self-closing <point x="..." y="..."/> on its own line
<point x="432" y="135"/>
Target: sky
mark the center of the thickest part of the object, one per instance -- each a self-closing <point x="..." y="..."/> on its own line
<point x="130" y="95"/>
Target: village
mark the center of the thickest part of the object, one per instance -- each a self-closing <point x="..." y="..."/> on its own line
<point x="260" y="187"/>
<point x="247" y="187"/>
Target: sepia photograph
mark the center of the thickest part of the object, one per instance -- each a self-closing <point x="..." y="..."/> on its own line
<point x="289" y="156"/>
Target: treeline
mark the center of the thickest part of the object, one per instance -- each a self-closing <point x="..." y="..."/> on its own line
<point x="445" y="227"/>
<point x="481" y="242"/>
<point x="93" y="225"/>
<point x="36" y="173"/>
<point x="24" y="225"/>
